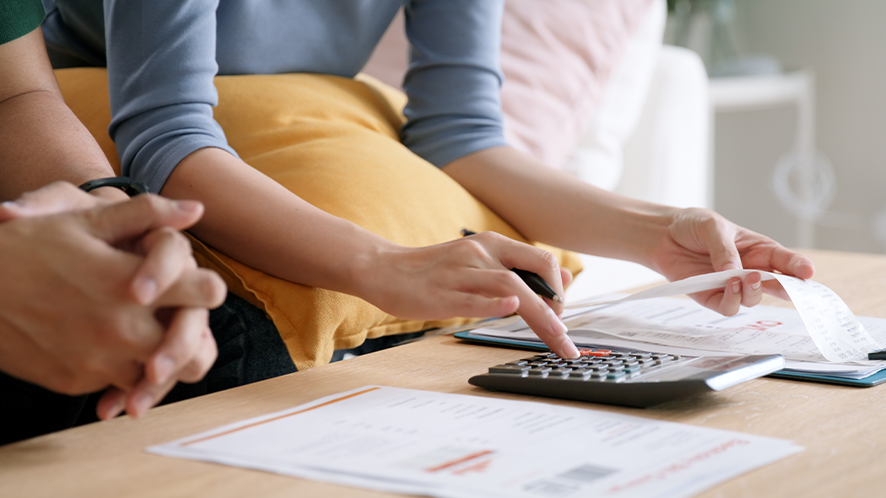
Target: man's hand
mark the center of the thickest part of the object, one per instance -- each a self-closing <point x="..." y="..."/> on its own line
<point x="701" y="241"/>
<point x="469" y="277"/>
<point x="81" y="313"/>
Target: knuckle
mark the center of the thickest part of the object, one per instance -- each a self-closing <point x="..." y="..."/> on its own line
<point x="89" y="366"/>
<point x="166" y="233"/>
<point x="211" y="287"/>
<point x="181" y="242"/>
<point x="491" y="236"/>
<point x="471" y="249"/>
<point x="71" y="385"/>
<point x="200" y="365"/>
<point x="549" y="258"/>
<point x="150" y="203"/>
<point x="506" y="280"/>
<point x="711" y="223"/>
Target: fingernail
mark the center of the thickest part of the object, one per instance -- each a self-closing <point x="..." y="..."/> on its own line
<point x="163" y="367"/>
<point x="186" y="206"/>
<point x="145" y="290"/>
<point x="12" y="206"/>
<point x="141" y="403"/>
<point x="569" y="351"/>
<point x="756" y="285"/>
<point x="736" y="287"/>
<point x="564" y="347"/>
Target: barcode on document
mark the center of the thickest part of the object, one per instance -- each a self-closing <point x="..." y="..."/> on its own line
<point x="587" y="473"/>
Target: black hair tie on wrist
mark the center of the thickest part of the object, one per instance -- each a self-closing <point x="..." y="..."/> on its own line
<point x="124" y="183"/>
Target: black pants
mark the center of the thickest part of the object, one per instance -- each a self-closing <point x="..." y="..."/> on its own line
<point x="249" y="350"/>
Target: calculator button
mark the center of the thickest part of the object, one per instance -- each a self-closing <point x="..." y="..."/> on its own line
<point x="590" y="352"/>
<point x="580" y="374"/>
<point x="542" y="371"/>
<point x="615" y="375"/>
<point x="518" y="362"/>
<point x="508" y="369"/>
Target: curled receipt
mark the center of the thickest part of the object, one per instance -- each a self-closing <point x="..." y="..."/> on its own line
<point x="833" y="327"/>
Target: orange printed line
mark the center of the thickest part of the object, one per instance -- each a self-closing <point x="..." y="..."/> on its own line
<point x="460" y="460"/>
<point x="321" y="405"/>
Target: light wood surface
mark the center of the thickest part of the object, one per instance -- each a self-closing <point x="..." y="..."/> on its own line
<point x="840" y="427"/>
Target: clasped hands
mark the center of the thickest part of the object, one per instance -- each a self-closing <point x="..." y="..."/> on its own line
<point x="100" y="295"/>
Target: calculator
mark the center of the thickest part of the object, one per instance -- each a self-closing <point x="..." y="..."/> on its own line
<point x="627" y="378"/>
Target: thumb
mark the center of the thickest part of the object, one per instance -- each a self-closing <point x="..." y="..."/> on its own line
<point x="125" y="220"/>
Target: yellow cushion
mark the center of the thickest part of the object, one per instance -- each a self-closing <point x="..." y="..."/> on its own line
<point x="334" y="142"/>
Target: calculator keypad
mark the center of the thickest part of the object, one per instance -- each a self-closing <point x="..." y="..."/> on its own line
<point x="598" y="365"/>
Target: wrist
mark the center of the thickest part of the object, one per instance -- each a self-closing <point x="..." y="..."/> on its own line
<point x="110" y="194"/>
<point x="641" y="229"/>
<point x="372" y="268"/>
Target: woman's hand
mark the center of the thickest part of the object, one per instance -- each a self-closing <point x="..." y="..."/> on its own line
<point x="701" y="241"/>
<point x="469" y="277"/>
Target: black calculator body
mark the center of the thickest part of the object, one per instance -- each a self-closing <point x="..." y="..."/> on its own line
<point x="637" y="379"/>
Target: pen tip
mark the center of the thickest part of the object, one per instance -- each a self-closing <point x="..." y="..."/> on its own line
<point x="558" y="298"/>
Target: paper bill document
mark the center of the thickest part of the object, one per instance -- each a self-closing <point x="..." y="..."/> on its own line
<point x="682" y="326"/>
<point x="821" y="335"/>
<point x="835" y="330"/>
<point x="459" y="446"/>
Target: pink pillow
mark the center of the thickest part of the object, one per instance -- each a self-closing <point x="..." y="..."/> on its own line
<point x="557" y="56"/>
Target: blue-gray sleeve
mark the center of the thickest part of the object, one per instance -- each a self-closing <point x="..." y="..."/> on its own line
<point x="454" y="78"/>
<point x="161" y="64"/>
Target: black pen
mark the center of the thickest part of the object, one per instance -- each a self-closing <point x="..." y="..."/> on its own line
<point x="536" y="283"/>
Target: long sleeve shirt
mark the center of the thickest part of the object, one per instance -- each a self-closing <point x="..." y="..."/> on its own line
<point x="162" y="56"/>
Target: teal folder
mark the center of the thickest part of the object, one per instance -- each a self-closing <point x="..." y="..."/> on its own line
<point x="869" y="381"/>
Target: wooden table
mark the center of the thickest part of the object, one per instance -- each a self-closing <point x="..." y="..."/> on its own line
<point x="841" y="427"/>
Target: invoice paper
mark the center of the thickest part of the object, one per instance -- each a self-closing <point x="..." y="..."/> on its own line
<point x="459" y="446"/>
<point x="682" y="326"/>
<point x="836" y="332"/>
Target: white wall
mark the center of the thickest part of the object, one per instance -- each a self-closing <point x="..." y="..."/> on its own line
<point x="845" y="43"/>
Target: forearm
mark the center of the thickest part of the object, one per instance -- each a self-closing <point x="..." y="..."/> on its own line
<point x="256" y="221"/>
<point x="550" y="206"/>
<point x="41" y="140"/>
